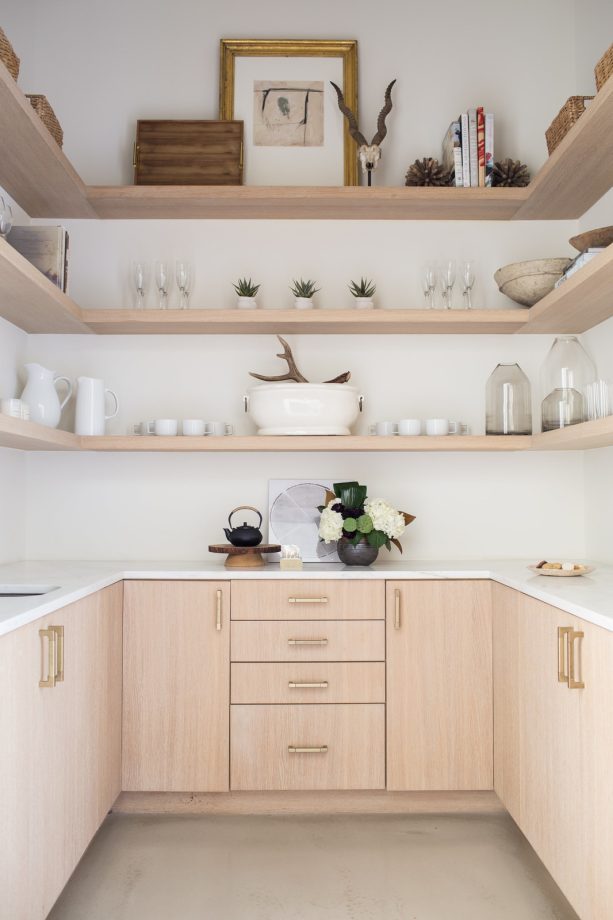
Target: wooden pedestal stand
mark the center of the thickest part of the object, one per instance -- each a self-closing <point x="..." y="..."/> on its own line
<point x="244" y="557"/>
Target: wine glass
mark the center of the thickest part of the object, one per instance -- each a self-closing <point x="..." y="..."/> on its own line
<point x="468" y="280"/>
<point x="447" y="278"/>
<point x="6" y="218"/>
<point x="140" y="276"/>
<point x="429" y="281"/>
<point x="184" y="276"/>
<point x="163" y="281"/>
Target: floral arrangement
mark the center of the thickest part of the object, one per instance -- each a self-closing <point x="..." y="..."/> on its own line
<point x="350" y="514"/>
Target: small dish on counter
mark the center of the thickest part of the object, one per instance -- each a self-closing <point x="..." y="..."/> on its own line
<point x="561" y="569"/>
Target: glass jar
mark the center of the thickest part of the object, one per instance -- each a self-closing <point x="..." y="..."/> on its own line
<point x="567" y="371"/>
<point x="508" y="401"/>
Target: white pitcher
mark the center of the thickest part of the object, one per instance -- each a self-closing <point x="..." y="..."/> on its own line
<point x="41" y="397"/>
<point x="90" y="414"/>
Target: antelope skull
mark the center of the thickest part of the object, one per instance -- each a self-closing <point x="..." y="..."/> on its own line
<point x="369" y="154"/>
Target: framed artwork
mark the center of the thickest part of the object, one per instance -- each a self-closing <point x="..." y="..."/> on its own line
<point x="293" y="517"/>
<point x="294" y="132"/>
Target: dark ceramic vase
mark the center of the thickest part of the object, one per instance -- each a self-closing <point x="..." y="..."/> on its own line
<point x="360" y="554"/>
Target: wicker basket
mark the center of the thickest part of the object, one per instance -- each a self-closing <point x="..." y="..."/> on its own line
<point x="8" y="56"/>
<point x="604" y="68"/>
<point x="41" y="106"/>
<point x="570" y="112"/>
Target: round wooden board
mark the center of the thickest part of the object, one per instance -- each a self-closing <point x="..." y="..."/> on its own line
<point x="562" y="573"/>
<point x="244" y="557"/>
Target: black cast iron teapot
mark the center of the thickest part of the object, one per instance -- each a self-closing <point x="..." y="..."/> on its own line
<point x="245" y="535"/>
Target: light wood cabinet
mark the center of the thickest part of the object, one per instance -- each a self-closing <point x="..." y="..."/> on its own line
<point x="308" y="640"/>
<point x="61" y="771"/>
<point x="439" y="685"/>
<point x="308" y="599"/>
<point x="315" y="682"/>
<point x="176" y="686"/>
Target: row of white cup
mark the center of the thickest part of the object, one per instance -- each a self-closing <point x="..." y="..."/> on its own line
<point x="190" y="427"/>
<point x="415" y="426"/>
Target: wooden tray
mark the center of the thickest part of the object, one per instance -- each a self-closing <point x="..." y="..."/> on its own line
<point x="244" y="557"/>
<point x="585" y="570"/>
<point x="188" y="153"/>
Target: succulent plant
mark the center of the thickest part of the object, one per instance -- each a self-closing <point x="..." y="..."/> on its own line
<point x="364" y="288"/>
<point x="246" y="288"/>
<point x="303" y="288"/>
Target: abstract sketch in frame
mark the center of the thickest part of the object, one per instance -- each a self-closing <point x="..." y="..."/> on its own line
<point x="294" y="133"/>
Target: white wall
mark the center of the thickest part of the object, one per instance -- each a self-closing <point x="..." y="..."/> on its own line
<point x="12" y="462"/>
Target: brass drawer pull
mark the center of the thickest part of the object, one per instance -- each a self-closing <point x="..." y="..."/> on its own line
<point x="307" y="600"/>
<point x="59" y="652"/>
<point x="563" y="632"/>
<point x="573" y="683"/>
<point x="295" y="749"/>
<point x="397" y="622"/>
<point x="299" y="685"/>
<point x="307" y="641"/>
<point x="218" y="611"/>
<point x="50" y="636"/>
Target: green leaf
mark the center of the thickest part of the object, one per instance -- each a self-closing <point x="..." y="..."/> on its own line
<point x="365" y="524"/>
<point x="357" y="538"/>
<point x="350" y="525"/>
<point x="377" y="538"/>
<point x="351" y="494"/>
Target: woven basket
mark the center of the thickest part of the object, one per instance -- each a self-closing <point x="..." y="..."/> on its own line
<point x="8" y="56"/>
<point x="604" y="68"/>
<point x="41" y="106"/>
<point x="570" y="112"/>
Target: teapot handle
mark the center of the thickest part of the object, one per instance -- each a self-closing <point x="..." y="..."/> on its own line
<point x="245" y="508"/>
<point x="68" y="384"/>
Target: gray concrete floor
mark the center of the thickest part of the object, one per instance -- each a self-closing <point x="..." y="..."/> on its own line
<point x="262" y="868"/>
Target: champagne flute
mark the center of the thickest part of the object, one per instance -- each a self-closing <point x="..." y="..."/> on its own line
<point x="468" y="280"/>
<point x="6" y="218"/>
<point x="447" y="276"/>
<point x="140" y="275"/>
<point x="163" y="281"/>
<point x="429" y="280"/>
<point x="184" y="276"/>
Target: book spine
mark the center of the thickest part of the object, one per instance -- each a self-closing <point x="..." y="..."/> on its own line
<point x="472" y="143"/>
<point x="452" y="152"/>
<point x="481" y="145"/>
<point x="489" y="149"/>
<point x="465" y="150"/>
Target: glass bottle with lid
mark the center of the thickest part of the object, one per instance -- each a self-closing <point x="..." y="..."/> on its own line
<point x="508" y="401"/>
<point x="567" y="371"/>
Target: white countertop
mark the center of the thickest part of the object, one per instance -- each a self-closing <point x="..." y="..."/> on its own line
<point x="588" y="596"/>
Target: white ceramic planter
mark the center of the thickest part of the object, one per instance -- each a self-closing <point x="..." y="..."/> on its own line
<point x="247" y="303"/>
<point x="303" y="303"/>
<point x="364" y="303"/>
<point x="303" y="408"/>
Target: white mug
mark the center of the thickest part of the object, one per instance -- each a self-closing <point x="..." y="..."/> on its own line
<point x="193" y="427"/>
<point x="409" y="426"/>
<point x="384" y="428"/>
<point x="147" y="427"/>
<point x="437" y="426"/>
<point x="218" y="428"/>
<point x="90" y="416"/>
<point x="166" y="426"/>
<point x="455" y="427"/>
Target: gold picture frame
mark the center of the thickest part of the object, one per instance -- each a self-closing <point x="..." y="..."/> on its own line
<point x="345" y="49"/>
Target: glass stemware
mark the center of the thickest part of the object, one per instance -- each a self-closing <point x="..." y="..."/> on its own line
<point x="140" y="276"/>
<point x="163" y="281"/>
<point x="184" y="277"/>
<point x="6" y="218"/>
<point x="468" y="280"/>
<point x="447" y="278"/>
<point x="429" y="281"/>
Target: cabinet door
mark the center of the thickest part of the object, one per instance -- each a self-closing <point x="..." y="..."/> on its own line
<point x="507" y="689"/>
<point x="439" y="685"/>
<point x="176" y="686"/>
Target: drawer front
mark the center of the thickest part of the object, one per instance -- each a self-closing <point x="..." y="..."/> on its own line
<point x="307" y="640"/>
<point x="318" y="682"/>
<point x="308" y="599"/>
<point x="307" y="747"/>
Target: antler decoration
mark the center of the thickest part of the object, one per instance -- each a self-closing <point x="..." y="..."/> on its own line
<point x="292" y="371"/>
<point x="369" y="154"/>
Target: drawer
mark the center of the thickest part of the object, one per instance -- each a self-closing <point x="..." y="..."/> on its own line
<point x="308" y="640"/>
<point x="322" y="682"/>
<point x="308" y="599"/>
<point x="307" y="747"/>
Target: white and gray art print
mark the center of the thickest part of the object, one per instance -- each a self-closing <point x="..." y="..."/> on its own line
<point x="288" y="113"/>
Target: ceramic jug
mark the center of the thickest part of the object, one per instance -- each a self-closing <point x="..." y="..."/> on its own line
<point x="41" y="396"/>
<point x="90" y="416"/>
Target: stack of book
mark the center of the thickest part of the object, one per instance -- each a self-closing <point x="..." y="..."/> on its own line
<point x="582" y="259"/>
<point x="46" y="248"/>
<point x="468" y="149"/>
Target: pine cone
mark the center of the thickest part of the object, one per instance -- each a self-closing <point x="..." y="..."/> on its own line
<point x="427" y="171"/>
<point x="511" y="174"/>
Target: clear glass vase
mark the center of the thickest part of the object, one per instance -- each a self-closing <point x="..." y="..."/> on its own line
<point x="508" y="401"/>
<point x="567" y="372"/>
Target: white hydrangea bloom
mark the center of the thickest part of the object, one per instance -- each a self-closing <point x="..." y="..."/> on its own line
<point x="384" y="517"/>
<point x="330" y="524"/>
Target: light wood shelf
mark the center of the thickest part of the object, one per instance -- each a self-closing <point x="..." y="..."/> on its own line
<point x="37" y="174"/>
<point x="28" y="436"/>
<point x="586" y="436"/>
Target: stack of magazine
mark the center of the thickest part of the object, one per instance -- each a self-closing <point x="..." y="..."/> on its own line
<point x="46" y="248"/>
<point x="468" y="149"/>
<point x="579" y="261"/>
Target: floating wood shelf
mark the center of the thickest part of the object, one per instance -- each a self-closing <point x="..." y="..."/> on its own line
<point x="37" y="174"/>
<point x="29" y="436"/>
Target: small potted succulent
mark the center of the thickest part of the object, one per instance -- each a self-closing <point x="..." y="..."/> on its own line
<point x="360" y="525"/>
<point x="247" y="292"/>
<point x="363" y="291"/>
<point x="303" y="291"/>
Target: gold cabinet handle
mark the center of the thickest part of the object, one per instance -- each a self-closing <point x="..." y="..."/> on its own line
<point x="307" y="600"/>
<point x="59" y="652"/>
<point x="218" y="610"/>
<point x="297" y="749"/>
<point x="135" y="154"/>
<point x="563" y="633"/>
<point x="397" y="608"/>
<point x="50" y="636"/>
<point x="573" y="683"/>
<point x="307" y="641"/>
<point x="309" y="684"/>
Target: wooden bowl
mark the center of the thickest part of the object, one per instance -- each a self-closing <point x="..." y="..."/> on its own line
<point x="560" y="573"/>
<point x="528" y="282"/>
<point x="592" y="238"/>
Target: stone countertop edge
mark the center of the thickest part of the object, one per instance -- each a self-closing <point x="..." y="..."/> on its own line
<point x="589" y="597"/>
